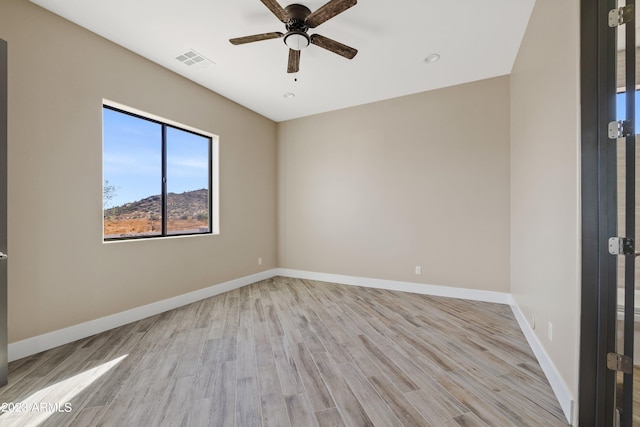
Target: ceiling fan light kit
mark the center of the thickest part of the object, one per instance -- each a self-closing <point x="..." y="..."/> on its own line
<point x="298" y="19"/>
<point x="296" y="40"/>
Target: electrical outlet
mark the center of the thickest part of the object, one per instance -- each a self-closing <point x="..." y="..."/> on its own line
<point x="418" y="270"/>
<point x="259" y="261"/>
<point x="533" y="321"/>
<point x="550" y="331"/>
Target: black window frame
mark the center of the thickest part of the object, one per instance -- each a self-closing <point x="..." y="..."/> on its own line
<point x="164" y="216"/>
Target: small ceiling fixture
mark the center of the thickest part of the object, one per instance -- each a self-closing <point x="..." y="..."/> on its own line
<point x="434" y="57"/>
<point x="289" y="95"/>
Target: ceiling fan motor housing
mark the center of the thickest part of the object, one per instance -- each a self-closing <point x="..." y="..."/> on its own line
<point x="297" y="37"/>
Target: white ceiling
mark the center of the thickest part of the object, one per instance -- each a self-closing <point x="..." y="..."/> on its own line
<point x="476" y="39"/>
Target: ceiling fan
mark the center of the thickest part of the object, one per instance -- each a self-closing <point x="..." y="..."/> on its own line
<point x="298" y="19"/>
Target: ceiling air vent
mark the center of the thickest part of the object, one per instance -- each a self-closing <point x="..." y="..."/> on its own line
<point x="193" y="58"/>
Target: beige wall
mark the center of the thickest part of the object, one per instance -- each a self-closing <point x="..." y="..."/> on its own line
<point x="427" y="179"/>
<point x="545" y="141"/>
<point x="60" y="272"/>
<point x="375" y="190"/>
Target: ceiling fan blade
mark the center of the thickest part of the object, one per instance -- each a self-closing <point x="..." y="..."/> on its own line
<point x="333" y="46"/>
<point x="328" y="11"/>
<point x="294" y="61"/>
<point x="255" y="38"/>
<point x="276" y="9"/>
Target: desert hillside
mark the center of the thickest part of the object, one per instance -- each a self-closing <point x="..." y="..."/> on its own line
<point x="187" y="212"/>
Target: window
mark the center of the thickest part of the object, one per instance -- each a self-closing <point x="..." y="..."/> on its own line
<point x="158" y="177"/>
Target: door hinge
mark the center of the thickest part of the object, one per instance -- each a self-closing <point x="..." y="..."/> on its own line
<point x="619" y="362"/>
<point x="621" y="246"/>
<point x="621" y="15"/>
<point x="620" y="129"/>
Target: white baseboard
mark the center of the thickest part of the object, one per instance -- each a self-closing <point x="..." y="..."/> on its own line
<point x="558" y="385"/>
<point x="29" y="346"/>
<point x="394" y="285"/>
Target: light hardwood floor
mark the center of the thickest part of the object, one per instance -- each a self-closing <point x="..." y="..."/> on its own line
<point x="289" y="352"/>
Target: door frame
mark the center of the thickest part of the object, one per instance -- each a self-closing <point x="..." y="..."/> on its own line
<point x="598" y="213"/>
<point x="4" y="75"/>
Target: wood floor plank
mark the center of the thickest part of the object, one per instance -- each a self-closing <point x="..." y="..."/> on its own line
<point x="245" y="321"/>
<point x="209" y="365"/>
<point x="291" y="352"/>
<point x="198" y="413"/>
<point x="299" y="410"/>
<point x="475" y="400"/>
<point x="432" y="410"/>
<point x="202" y="313"/>
<point x="223" y="399"/>
<point x="309" y="336"/>
<point x="273" y="321"/>
<point x="274" y="410"/>
<point x="248" y="403"/>
<point x="57" y="367"/>
<point x="260" y="328"/>
<point x="527" y="415"/>
<point x="350" y="408"/>
<point x="287" y="322"/>
<point x="396" y="400"/>
<point x="85" y="417"/>
<point x="148" y="383"/>
<point x="190" y="354"/>
<point x="491" y="382"/>
<point x="231" y="318"/>
<point x="314" y="386"/>
<point x="410" y="360"/>
<point x="469" y="420"/>
<point x="329" y="341"/>
<point x="257" y="309"/>
<point x="329" y="418"/>
<point x="540" y="393"/>
<point x="264" y="352"/>
<point x="262" y="340"/>
<point x="360" y="356"/>
<point x="400" y="378"/>
<point x="173" y="407"/>
<point x="377" y="409"/>
<point x="216" y="318"/>
<point x="287" y="369"/>
<point x="204" y="381"/>
<point x="246" y="362"/>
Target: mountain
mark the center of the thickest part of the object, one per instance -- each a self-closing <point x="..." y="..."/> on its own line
<point x="187" y="205"/>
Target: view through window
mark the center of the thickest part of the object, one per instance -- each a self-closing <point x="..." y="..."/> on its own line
<point x="157" y="178"/>
<point x="621" y="99"/>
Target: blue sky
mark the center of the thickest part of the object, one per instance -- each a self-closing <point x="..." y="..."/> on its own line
<point x="132" y="160"/>
<point x="621" y="108"/>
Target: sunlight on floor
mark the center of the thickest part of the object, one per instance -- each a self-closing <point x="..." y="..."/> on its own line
<point x="56" y="398"/>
